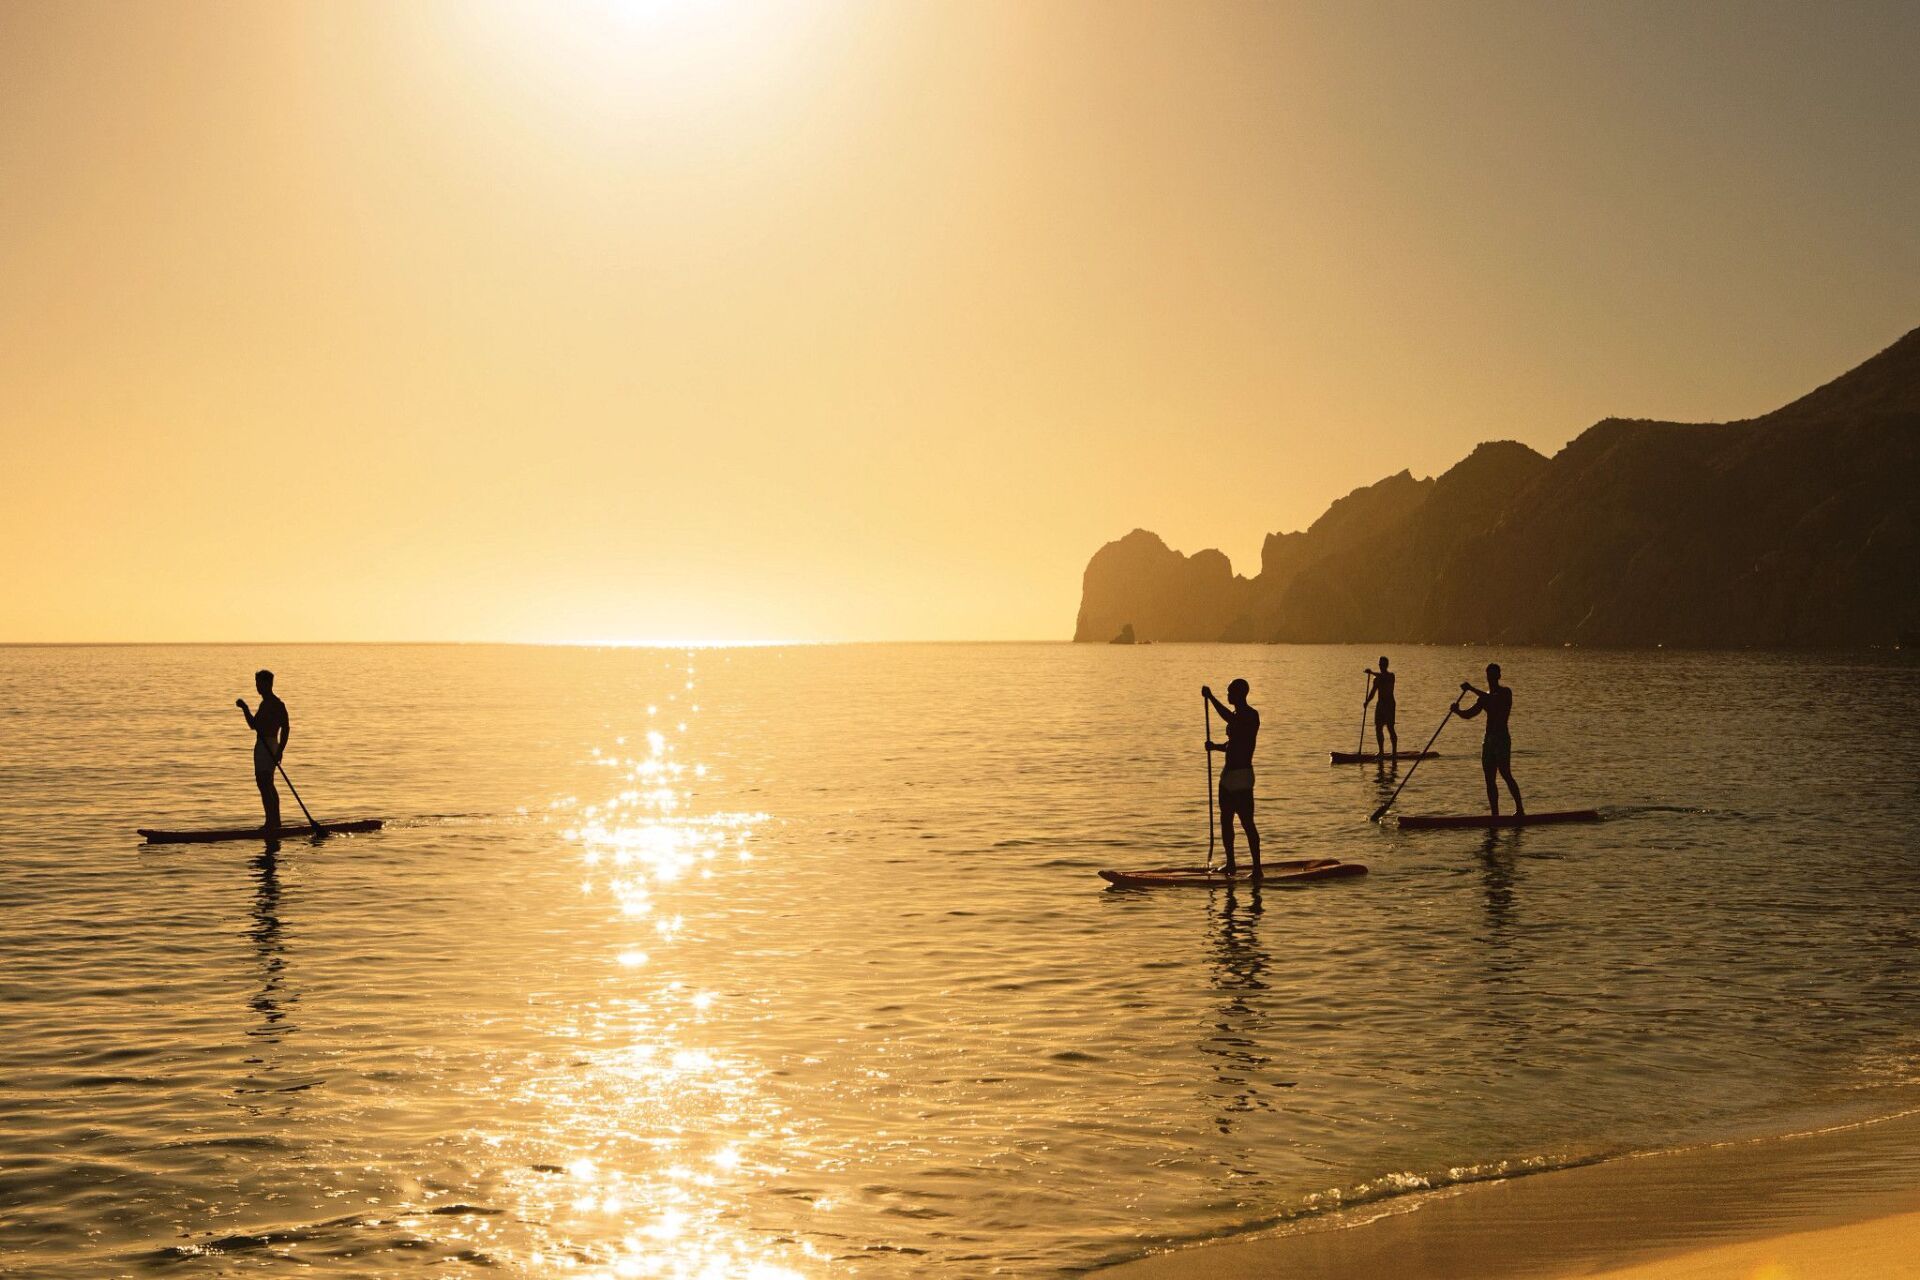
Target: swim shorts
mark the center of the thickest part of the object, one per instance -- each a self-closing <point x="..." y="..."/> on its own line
<point x="1496" y="751"/>
<point x="1236" y="791"/>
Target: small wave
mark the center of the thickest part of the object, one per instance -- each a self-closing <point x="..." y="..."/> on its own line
<point x="1402" y="1191"/>
<point x="1407" y="1182"/>
<point x="272" y="1238"/>
<point x="1615" y="812"/>
<point x="1396" y="1191"/>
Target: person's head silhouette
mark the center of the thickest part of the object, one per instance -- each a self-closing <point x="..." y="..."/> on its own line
<point x="1493" y="673"/>
<point x="1237" y="693"/>
<point x="263" y="681"/>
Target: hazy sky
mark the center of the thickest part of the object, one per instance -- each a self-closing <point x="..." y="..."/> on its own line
<point x="668" y="320"/>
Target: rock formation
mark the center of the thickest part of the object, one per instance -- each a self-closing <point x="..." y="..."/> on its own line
<point x="1797" y="528"/>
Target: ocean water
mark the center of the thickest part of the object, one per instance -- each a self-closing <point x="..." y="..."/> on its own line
<point x="793" y="961"/>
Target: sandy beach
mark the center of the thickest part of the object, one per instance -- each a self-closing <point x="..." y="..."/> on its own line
<point x="1883" y="1249"/>
<point x="1837" y="1204"/>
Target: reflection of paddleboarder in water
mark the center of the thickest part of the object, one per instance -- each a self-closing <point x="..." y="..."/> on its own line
<point x="267" y="942"/>
<point x="1236" y="772"/>
<point x="1380" y="693"/>
<point x="1496" y="753"/>
<point x="271" y="729"/>
<point x="1242" y="1070"/>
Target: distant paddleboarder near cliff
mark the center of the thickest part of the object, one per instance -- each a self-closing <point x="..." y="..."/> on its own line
<point x="271" y="729"/>
<point x="1380" y="693"/>
<point x="1236" y="774"/>
<point x="1496" y="753"/>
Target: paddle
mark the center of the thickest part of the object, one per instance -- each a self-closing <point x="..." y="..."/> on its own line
<point x="1206" y="718"/>
<point x="318" y="830"/>
<point x="1381" y="811"/>
<point x="1366" y="687"/>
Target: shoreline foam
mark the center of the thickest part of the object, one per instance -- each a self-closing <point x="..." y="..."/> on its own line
<point x="1854" y="1188"/>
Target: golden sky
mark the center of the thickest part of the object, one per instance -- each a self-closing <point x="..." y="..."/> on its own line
<point x="677" y="320"/>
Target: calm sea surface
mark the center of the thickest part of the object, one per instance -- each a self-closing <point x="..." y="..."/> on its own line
<point x="793" y="962"/>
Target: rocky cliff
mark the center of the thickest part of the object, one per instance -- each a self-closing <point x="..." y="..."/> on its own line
<point x="1140" y="582"/>
<point x="1797" y="528"/>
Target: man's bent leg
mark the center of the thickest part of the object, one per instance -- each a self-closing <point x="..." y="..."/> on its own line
<point x="1493" y="790"/>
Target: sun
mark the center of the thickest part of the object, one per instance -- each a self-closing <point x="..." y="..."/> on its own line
<point x="662" y="53"/>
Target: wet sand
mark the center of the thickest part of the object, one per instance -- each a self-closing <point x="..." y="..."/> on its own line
<point x="1836" y="1204"/>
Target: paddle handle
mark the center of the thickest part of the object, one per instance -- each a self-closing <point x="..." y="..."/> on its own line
<point x="1381" y="811"/>
<point x="1206" y="718"/>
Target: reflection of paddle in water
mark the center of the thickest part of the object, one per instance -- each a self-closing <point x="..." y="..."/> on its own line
<point x="1500" y="998"/>
<point x="1239" y="968"/>
<point x="267" y="945"/>
<point x="1497" y="876"/>
<point x="272" y="1000"/>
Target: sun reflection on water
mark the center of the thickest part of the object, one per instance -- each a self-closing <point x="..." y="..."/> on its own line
<point x="671" y="1132"/>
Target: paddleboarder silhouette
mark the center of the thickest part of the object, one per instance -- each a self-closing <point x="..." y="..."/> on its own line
<point x="1380" y="693"/>
<point x="271" y="729"/>
<point x="1496" y="752"/>
<point x="1236" y="771"/>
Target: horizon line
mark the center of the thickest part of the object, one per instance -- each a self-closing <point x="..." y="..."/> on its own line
<point x="528" y="644"/>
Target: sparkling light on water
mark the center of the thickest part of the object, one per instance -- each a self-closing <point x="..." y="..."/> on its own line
<point x="658" y="1197"/>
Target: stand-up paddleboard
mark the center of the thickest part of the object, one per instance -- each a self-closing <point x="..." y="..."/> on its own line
<point x="218" y="834"/>
<point x="1432" y="820"/>
<point x="1368" y="757"/>
<point x="1272" y="874"/>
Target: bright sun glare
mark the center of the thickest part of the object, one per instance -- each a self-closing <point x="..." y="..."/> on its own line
<point x="659" y="54"/>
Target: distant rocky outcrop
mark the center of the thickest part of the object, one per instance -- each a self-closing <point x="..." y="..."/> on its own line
<point x="1797" y="528"/>
<point x="1125" y="637"/>
<point x="1141" y="582"/>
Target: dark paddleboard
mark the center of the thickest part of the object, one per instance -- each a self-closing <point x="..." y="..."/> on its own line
<point x="1432" y="820"/>
<point x="1368" y="757"/>
<point x="216" y="835"/>
<point x="1276" y="873"/>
